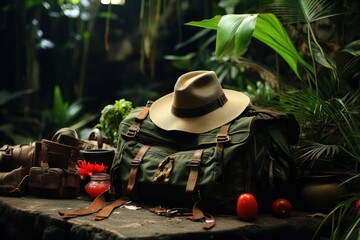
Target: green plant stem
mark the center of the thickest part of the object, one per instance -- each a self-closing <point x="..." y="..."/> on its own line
<point x="333" y="71"/>
<point x="315" y="81"/>
<point x="352" y="229"/>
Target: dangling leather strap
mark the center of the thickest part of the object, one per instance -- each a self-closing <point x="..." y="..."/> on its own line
<point x="194" y="214"/>
<point x="106" y="211"/>
<point x="222" y="137"/>
<point x="95" y="206"/>
<point x="194" y="170"/>
<point x="198" y="215"/>
<point x="135" y="165"/>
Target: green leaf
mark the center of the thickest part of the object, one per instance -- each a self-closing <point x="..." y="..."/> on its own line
<point x="244" y="33"/>
<point x="181" y="62"/>
<point x="270" y="31"/>
<point x="226" y="30"/>
<point x="75" y="1"/>
<point x="234" y="32"/>
<point x="322" y="59"/>
<point x="59" y="105"/>
<point x="206" y="23"/>
<point x="353" y="48"/>
<point x="33" y="3"/>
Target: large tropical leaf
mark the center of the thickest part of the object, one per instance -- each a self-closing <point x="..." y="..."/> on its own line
<point x="206" y="23"/>
<point x="270" y="31"/>
<point x="235" y="31"/>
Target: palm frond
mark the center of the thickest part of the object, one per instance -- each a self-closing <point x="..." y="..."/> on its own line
<point x="315" y="151"/>
<point x="308" y="11"/>
<point x="306" y="107"/>
<point x="346" y="122"/>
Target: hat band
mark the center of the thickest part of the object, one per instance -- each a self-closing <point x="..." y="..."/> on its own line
<point x="199" y="111"/>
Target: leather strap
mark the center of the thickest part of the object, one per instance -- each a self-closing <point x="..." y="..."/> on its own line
<point x="59" y="132"/>
<point x="135" y="127"/>
<point x="194" y="170"/>
<point x="222" y="137"/>
<point x="95" y="206"/>
<point x="135" y="165"/>
<point x="194" y="214"/>
<point x="96" y="135"/>
<point x="106" y="211"/>
<point x="44" y="156"/>
<point x="198" y="215"/>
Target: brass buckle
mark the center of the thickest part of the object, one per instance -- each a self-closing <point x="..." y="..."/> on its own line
<point x="163" y="171"/>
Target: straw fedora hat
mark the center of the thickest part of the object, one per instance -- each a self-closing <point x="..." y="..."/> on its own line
<point x="198" y="104"/>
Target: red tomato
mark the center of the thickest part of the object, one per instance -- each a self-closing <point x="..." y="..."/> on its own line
<point x="357" y="206"/>
<point x="247" y="207"/>
<point x="281" y="208"/>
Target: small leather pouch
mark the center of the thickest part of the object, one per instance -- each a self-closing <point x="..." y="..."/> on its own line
<point x="53" y="182"/>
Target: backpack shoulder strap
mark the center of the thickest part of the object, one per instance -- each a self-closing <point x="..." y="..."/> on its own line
<point x="222" y="137"/>
<point x="135" y="127"/>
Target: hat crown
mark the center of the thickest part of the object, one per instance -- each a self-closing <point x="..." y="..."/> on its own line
<point x="196" y="89"/>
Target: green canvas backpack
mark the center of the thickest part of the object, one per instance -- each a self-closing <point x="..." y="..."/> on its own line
<point x="173" y="168"/>
<point x="186" y="173"/>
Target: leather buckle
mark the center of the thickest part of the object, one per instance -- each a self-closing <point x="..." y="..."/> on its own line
<point x="132" y="132"/>
<point x="222" y="138"/>
<point x="135" y="162"/>
<point x="195" y="162"/>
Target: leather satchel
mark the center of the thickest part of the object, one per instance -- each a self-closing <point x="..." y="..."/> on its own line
<point x="56" y="175"/>
<point x="13" y="183"/>
<point x="22" y="155"/>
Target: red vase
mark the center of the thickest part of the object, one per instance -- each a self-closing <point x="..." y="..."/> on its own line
<point x="99" y="183"/>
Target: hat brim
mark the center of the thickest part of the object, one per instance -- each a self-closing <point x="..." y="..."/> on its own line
<point x="161" y="115"/>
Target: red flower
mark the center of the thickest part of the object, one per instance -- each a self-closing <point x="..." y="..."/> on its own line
<point x="85" y="168"/>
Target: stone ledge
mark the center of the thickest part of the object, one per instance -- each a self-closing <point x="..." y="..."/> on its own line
<point x="35" y="218"/>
